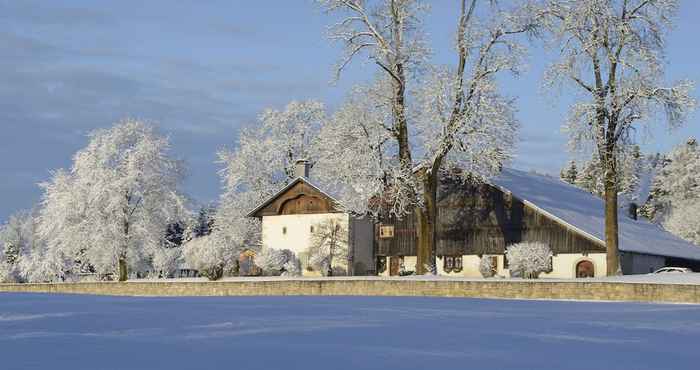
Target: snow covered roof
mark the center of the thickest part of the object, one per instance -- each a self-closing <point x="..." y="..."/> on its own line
<point x="585" y="213"/>
<point x="283" y="190"/>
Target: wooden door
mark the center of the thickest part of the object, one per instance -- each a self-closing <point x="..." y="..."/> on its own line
<point x="394" y="265"/>
<point x="585" y="269"/>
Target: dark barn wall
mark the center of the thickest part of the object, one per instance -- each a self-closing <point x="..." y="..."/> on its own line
<point x="477" y="218"/>
<point x="634" y="263"/>
<point x="361" y="243"/>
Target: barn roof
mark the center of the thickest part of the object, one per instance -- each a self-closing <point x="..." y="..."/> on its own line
<point x="585" y="213"/>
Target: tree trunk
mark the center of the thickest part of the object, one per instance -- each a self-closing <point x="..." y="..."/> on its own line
<point x="426" y="222"/>
<point x="400" y="124"/>
<point x="611" y="223"/>
<point x="123" y="273"/>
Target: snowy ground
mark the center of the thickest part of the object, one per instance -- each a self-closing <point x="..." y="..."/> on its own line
<point x="332" y="333"/>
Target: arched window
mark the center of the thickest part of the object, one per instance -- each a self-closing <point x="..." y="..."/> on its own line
<point x="585" y="269"/>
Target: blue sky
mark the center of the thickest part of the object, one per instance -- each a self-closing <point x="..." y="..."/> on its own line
<point x="201" y="70"/>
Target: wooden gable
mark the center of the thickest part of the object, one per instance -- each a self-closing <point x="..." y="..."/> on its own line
<point x="299" y="198"/>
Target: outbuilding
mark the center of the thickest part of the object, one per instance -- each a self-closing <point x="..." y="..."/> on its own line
<point x="480" y="220"/>
<point x="291" y="217"/>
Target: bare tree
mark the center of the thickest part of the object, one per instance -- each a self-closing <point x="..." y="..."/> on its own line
<point x="612" y="53"/>
<point x="458" y="115"/>
<point x="328" y="251"/>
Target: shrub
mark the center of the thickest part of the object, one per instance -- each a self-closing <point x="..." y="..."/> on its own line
<point x="271" y="261"/>
<point x="293" y="266"/>
<point x="486" y="267"/>
<point x="209" y="255"/>
<point x="278" y="262"/>
<point x="529" y="259"/>
<point x="8" y="273"/>
<point x="166" y="261"/>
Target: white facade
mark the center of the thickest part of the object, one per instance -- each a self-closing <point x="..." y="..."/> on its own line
<point x="293" y="232"/>
<point x="563" y="265"/>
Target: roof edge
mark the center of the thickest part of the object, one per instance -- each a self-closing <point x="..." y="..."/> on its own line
<point x="284" y="189"/>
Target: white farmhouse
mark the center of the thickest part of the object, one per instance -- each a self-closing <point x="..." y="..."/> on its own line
<point x="476" y="221"/>
<point x="294" y="216"/>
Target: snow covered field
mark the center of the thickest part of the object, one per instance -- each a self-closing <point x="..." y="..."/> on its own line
<point x="90" y="332"/>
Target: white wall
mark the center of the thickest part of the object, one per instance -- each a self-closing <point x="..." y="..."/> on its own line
<point x="563" y="265"/>
<point x="470" y="267"/>
<point x="298" y="235"/>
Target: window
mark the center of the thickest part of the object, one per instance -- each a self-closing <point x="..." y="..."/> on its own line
<point x="284" y="230"/>
<point x="452" y="263"/>
<point x="386" y="231"/>
<point x="448" y="263"/>
<point x="311" y="229"/>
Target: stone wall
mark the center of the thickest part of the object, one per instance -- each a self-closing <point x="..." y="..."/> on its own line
<point x="608" y="291"/>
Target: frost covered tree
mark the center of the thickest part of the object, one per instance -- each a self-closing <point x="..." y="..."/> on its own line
<point x="278" y="262"/>
<point x="631" y="165"/>
<point x="570" y="173"/>
<point x="211" y="255"/>
<point x="328" y="250"/>
<point x="355" y="152"/>
<point x="271" y="260"/>
<point x="590" y="178"/>
<point x="204" y="222"/>
<point x="113" y="207"/>
<point x="262" y="164"/>
<point x="653" y="208"/>
<point x="292" y="267"/>
<point x="166" y="261"/>
<point x="529" y="259"/>
<point x="674" y="197"/>
<point x="486" y="267"/>
<point x="676" y="184"/>
<point x="684" y="221"/>
<point x="9" y="253"/>
<point x="19" y="243"/>
<point x="17" y="236"/>
<point x="263" y="160"/>
<point x="457" y="116"/>
<point x="612" y="54"/>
